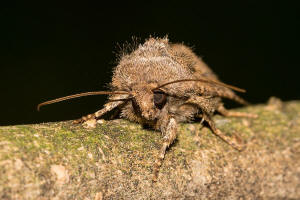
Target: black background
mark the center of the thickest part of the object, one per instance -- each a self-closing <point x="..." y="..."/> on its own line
<point x="51" y="49"/>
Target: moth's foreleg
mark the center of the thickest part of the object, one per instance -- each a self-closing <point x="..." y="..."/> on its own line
<point x="106" y="108"/>
<point x="235" y="141"/>
<point x="223" y="111"/>
<point x="170" y="136"/>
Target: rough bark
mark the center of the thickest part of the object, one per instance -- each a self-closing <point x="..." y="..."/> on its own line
<point x="114" y="160"/>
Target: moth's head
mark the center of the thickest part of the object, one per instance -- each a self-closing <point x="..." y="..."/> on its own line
<point x="148" y="101"/>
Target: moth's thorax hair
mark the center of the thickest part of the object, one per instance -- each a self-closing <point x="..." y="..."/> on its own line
<point x="150" y="62"/>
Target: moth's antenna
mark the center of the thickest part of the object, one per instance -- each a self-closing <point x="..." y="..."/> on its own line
<point x="203" y="80"/>
<point x="79" y="95"/>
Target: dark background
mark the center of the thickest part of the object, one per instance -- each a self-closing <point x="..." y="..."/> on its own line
<point x="51" y="49"/>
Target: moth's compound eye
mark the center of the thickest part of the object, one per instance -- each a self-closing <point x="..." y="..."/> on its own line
<point x="159" y="98"/>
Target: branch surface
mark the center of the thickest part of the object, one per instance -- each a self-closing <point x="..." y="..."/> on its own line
<point x="115" y="160"/>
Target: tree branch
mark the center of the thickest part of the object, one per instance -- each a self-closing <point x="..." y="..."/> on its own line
<point x="115" y="160"/>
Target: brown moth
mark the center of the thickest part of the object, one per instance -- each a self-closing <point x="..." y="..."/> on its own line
<point x="162" y="84"/>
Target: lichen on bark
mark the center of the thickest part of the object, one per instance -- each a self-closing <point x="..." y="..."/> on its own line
<point x="114" y="160"/>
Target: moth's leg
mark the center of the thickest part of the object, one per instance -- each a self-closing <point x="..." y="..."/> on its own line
<point x="234" y="141"/>
<point x="116" y="112"/>
<point x="107" y="107"/>
<point x="223" y="111"/>
<point x="170" y="136"/>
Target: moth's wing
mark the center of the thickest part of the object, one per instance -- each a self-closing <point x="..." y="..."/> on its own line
<point x="199" y="69"/>
<point x="188" y="59"/>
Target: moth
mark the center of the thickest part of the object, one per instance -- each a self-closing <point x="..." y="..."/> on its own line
<point x="161" y="84"/>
